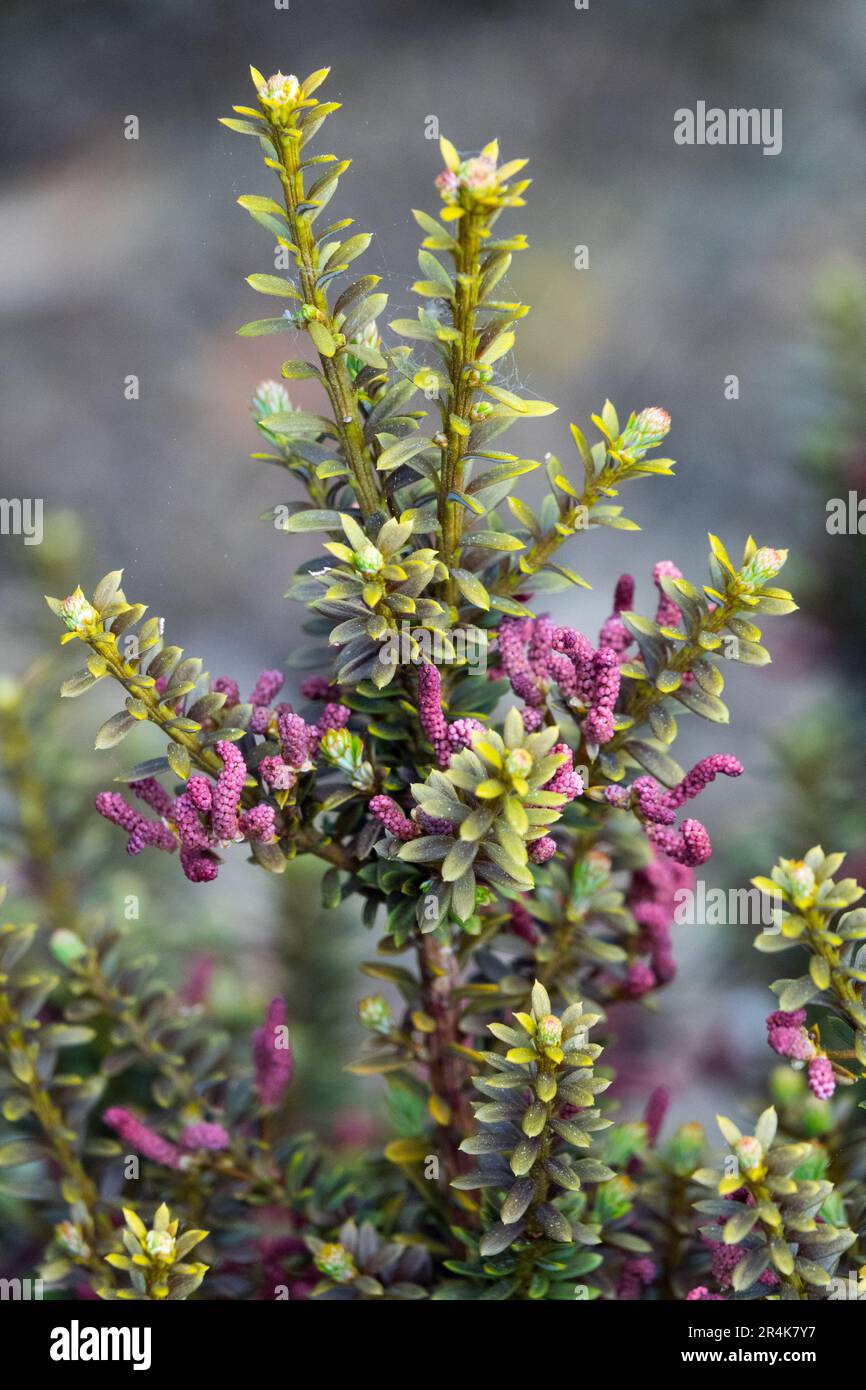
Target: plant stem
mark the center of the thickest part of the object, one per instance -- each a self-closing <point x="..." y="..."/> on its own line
<point x="439" y="975"/>
<point x="569" y="921"/>
<point x="462" y="387"/>
<point x="338" y="383"/>
<point x="539" y="1172"/>
<point x="547" y="544"/>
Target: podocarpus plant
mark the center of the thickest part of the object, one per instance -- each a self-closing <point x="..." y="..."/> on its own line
<point x="495" y="790"/>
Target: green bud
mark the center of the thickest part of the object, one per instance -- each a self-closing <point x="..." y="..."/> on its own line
<point x="160" y="1244"/>
<point x="375" y="1013"/>
<point x="279" y="96"/>
<point x="614" y="1199"/>
<point x="549" y="1031"/>
<point x="764" y="565"/>
<point x="644" y="431"/>
<point x="78" y="613"/>
<point x="370" y="560"/>
<point x="686" y="1148"/>
<point x="750" y="1153"/>
<point x="518" y="762"/>
<point x="336" y="1263"/>
<point x="66" y="946"/>
<point x="801" y="879"/>
<point x="70" y="1239"/>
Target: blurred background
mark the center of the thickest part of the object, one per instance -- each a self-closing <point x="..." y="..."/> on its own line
<point x="127" y="257"/>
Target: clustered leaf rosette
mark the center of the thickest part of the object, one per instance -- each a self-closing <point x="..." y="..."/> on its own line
<point x="495" y="797"/>
<point x="377" y="594"/>
<point x="361" y="1264"/>
<point x="538" y="1106"/>
<point x="811" y="911"/>
<point x="155" y="1258"/>
<point x="778" y="1219"/>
